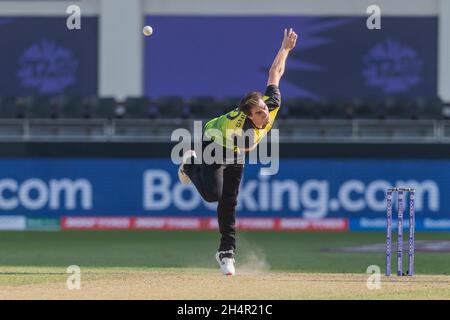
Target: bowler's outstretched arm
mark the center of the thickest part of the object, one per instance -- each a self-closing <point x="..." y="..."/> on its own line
<point x="277" y="69"/>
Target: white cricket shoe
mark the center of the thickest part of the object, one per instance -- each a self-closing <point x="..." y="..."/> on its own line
<point x="225" y="259"/>
<point x="182" y="176"/>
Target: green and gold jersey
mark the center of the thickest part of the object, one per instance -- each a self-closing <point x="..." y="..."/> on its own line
<point x="222" y="129"/>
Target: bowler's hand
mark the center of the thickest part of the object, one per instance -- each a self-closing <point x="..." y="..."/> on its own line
<point x="289" y="40"/>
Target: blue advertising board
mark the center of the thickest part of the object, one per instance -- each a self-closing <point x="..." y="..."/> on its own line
<point x="224" y="56"/>
<point x="40" y="56"/>
<point x="309" y="189"/>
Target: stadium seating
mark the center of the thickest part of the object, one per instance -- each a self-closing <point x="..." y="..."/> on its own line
<point x="368" y="108"/>
<point x="429" y="108"/>
<point x="137" y="108"/>
<point x="13" y="107"/>
<point x="302" y="109"/>
<point x="203" y="107"/>
<point x="71" y="107"/>
<point x="227" y="104"/>
<point x="398" y="108"/>
<point x="335" y="108"/>
<point x="334" y="119"/>
<point x="41" y="107"/>
<point x="170" y="107"/>
<point x="100" y="108"/>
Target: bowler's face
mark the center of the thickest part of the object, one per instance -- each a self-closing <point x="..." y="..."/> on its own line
<point x="260" y="115"/>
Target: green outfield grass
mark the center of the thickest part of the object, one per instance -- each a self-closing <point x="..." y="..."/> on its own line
<point x="284" y="251"/>
<point x="181" y="265"/>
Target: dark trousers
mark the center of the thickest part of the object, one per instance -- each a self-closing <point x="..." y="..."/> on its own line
<point x="219" y="182"/>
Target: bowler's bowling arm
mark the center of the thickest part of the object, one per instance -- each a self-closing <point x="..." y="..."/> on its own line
<point x="277" y="69"/>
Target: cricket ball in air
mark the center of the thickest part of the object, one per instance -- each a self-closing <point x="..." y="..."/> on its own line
<point x="147" y="31"/>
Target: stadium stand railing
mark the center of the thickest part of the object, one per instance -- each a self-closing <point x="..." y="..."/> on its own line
<point x="65" y="118"/>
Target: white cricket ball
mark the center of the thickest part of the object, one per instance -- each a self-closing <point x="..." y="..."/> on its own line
<point x="147" y="30"/>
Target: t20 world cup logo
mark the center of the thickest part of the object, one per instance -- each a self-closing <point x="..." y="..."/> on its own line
<point x="47" y="67"/>
<point x="393" y="67"/>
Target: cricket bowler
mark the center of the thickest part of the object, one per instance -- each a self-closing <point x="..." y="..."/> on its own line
<point x="219" y="181"/>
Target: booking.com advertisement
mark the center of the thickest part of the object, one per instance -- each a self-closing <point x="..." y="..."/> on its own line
<point x="334" y="195"/>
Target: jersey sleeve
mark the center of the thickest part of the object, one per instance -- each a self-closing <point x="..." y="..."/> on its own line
<point x="272" y="97"/>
